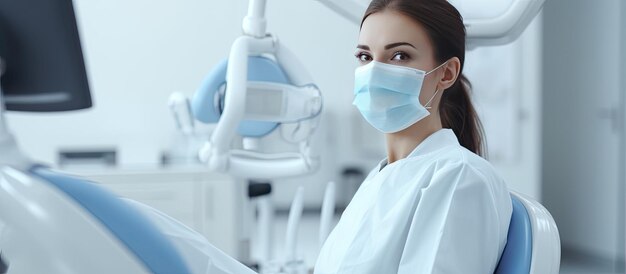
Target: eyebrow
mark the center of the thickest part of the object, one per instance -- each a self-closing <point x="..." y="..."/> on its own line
<point x="393" y="45"/>
<point x="390" y="46"/>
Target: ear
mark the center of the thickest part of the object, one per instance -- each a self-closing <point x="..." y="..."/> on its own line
<point x="450" y="72"/>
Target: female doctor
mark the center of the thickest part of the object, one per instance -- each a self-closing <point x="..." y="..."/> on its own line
<point x="433" y="205"/>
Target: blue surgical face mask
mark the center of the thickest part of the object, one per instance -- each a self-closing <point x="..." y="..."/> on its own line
<point x="388" y="96"/>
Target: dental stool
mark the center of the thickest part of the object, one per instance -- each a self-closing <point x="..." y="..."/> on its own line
<point x="533" y="242"/>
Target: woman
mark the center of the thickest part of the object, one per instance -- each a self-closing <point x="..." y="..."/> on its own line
<point x="433" y="205"/>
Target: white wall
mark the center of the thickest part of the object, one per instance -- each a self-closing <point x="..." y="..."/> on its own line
<point x="582" y="134"/>
<point x="506" y="86"/>
<point x="138" y="52"/>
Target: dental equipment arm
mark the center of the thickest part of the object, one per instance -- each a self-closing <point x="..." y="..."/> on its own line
<point x="328" y="209"/>
<point x="295" y="214"/>
<point x="181" y="110"/>
<point x="488" y="31"/>
<point x="293" y="263"/>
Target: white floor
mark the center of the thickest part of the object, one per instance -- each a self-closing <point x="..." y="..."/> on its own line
<point x="573" y="268"/>
<point x="582" y="266"/>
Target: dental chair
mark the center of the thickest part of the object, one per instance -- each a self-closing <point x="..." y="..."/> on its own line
<point x="106" y="234"/>
<point x="533" y="242"/>
<point x="51" y="222"/>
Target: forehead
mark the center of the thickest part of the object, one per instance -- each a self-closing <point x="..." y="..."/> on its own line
<point x="388" y="26"/>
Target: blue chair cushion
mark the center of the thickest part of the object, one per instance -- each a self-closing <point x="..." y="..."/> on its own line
<point x="125" y="222"/>
<point x="517" y="254"/>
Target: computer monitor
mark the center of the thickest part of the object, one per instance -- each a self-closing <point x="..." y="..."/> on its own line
<point x="43" y="67"/>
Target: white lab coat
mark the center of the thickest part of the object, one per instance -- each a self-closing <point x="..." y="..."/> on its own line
<point x="442" y="209"/>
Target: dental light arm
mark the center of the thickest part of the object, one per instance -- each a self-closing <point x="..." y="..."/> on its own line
<point x="352" y="10"/>
<point x="481" y="31"/>
<point x="254" y="23"/>
<point x="504" y="28"/>
<point x="267" y="87"/>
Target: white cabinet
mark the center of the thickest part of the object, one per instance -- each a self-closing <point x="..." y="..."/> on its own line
<point x="209" y="203"/>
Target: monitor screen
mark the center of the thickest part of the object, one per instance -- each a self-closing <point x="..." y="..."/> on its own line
<point x="43" y="67"/>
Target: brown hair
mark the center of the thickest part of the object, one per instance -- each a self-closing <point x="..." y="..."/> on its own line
<point x="444" y="26"/>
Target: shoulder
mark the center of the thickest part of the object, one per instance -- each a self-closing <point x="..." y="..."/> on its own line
<point x="455" y="162"/>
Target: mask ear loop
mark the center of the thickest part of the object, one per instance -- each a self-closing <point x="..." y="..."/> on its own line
<point x="427" y="105"/>
<point x="436" y="68"/>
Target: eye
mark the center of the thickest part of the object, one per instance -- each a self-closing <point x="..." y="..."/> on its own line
<point x="400" y="56"/>
<point x="363" y="57"/>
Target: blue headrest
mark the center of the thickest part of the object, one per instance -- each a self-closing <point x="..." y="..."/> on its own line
<point x="206" y="109"/>
<point x="517" y="255"/>
<point x="124" y="221"/>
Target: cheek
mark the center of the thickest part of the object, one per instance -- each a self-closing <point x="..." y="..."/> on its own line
<point x="428" y="89"/>
<point x="414" y="62"/>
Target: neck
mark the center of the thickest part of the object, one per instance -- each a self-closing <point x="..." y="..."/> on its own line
<point x="400" y="144"/>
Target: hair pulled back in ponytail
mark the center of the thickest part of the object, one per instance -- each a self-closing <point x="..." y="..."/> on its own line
<point x="444" y="26"/>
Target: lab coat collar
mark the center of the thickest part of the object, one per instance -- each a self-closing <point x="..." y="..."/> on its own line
<point x="441" y="138"/>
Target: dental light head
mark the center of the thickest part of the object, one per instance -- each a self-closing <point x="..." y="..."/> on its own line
<point x="260" y="89"/>
<point x="488" y="22"/>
